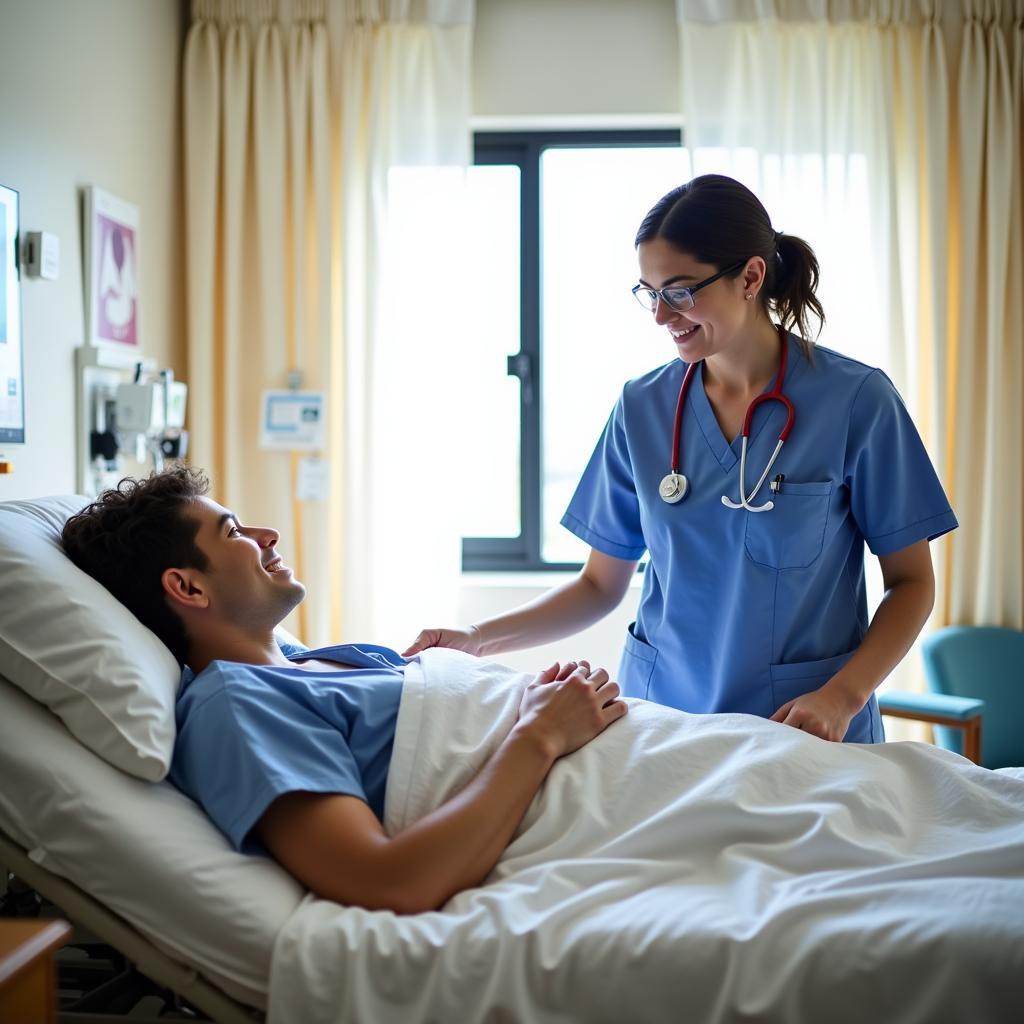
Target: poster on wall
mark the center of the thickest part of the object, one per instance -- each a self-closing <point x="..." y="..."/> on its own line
<point x="12" y="391"/>
<point x="111" y="272"/>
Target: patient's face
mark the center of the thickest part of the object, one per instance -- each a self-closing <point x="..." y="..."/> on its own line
<point x="248" y="582"/>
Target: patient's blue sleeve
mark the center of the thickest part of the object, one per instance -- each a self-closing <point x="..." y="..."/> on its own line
<point x="248" y="734"/>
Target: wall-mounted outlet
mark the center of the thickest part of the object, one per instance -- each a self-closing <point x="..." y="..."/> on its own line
<point x="41" y="255"/>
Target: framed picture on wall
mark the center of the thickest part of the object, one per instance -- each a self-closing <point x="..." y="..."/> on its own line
<point x="111" y="272"/>
<point x="12" y="386"/>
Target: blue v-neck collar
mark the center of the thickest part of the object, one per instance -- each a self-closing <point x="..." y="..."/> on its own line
<point x="728" y="453"/>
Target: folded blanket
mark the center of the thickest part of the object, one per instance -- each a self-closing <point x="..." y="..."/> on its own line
<point x="683" y="867"/>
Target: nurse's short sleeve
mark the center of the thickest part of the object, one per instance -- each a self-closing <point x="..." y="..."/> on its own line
<point x="242" y="748"/>
<point x="605" y="510"/>
<point x="895" y="494"/>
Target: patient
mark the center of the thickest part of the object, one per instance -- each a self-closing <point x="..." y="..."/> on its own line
<point x="288" y="749"/>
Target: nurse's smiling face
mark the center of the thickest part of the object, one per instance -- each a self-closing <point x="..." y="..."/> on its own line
<point x="721" y="311"/>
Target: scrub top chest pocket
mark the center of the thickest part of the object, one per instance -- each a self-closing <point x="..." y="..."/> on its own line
<point x="790" y="535"/>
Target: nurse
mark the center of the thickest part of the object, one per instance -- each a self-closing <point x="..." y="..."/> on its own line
<point x="754" y="598"/>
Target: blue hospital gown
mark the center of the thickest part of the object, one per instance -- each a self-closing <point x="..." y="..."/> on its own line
<point x="744" y="611"/>
<point x="248" y="734"/>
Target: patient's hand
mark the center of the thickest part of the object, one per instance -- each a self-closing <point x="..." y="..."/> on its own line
<point x="565" y="707"/>
<point x="459" y="639"/>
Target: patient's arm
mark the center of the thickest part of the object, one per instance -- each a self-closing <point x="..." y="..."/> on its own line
<point x="336" y="846"/>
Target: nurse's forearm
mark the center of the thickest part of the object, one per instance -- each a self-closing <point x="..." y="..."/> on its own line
<point x="559" y="613"/>
<point x="896" y="624"/>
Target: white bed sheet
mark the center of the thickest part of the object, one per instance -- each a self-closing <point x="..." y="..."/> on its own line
<point x="142" y="849"/>
<point x="679" y="867"/>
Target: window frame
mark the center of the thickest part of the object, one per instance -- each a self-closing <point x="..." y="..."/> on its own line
<point x="524" y="149"/>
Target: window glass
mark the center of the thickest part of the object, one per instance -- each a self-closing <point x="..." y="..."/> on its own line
<point x="491" y="291"/>
<point x="594" y="334"/>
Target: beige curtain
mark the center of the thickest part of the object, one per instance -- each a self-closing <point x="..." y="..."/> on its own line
<point x="985" y="285"/>
<point x="258" y="206"/>
<point x="817" y="102"/>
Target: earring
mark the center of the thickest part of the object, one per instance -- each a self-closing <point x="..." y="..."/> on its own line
<point x="748" y="297"/>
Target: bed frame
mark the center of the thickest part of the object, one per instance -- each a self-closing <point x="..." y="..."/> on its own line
<point x="152" y="962"/>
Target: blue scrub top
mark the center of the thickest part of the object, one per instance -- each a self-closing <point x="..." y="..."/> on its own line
<point x="248" y="734"/>
<point x="743" y="611"/>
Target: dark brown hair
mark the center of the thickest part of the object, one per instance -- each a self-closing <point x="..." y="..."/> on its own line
<point x="130" y="534"/>
<point x="719" y="221"/>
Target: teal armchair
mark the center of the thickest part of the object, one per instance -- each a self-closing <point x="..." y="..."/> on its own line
<point x="971" y="671"/>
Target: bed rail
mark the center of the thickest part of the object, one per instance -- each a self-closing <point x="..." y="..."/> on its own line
<point x="82" y="909"/>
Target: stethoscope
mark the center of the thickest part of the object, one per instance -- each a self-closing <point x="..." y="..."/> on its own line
<point x="674" y="486"/>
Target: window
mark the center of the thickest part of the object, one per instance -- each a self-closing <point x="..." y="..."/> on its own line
<point x="554" y="217"/>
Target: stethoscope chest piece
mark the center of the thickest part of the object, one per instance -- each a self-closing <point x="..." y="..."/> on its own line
<point x="673" y="487"/>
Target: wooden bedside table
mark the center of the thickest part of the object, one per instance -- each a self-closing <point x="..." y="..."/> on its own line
<point x="28" y="991"/>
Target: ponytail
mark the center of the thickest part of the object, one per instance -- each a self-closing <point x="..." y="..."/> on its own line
<point x="790" y="290"/>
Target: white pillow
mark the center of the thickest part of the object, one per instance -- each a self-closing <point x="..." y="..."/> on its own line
<point x="68" y="643"/>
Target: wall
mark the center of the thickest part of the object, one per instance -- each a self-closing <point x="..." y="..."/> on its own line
<point x="89" y="94"/>
<point x="571" y="63"/>
<point x="576" y="60"/>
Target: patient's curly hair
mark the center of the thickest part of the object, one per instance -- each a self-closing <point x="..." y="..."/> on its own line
<point x="130" y="534"/>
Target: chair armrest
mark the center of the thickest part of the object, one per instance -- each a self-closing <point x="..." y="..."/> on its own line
<point x="930" y="707"/>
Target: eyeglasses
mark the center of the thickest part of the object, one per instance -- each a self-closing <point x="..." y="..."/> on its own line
<point x="678" y="299"/>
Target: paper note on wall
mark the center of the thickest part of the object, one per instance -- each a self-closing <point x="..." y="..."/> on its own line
<point x="314" y="483"/>
<point x="292" y="420"/>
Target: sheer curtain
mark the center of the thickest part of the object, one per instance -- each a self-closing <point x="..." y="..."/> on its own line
<point x="904" y="174"/>
<point x="405" y="93"/>
<point x="298" y="114"/>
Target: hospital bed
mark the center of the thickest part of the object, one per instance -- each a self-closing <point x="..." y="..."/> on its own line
<point x="140" y="865"/>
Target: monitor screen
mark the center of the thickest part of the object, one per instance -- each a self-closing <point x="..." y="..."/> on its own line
<point x="12" y="385"/>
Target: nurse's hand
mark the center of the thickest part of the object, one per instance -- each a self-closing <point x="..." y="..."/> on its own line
<point x="467" y="640"/>
<point x="823" y="713"/>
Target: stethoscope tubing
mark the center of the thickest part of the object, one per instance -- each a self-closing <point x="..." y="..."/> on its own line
<point x="677" y="430"/>
<point x="775" y="395"/>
